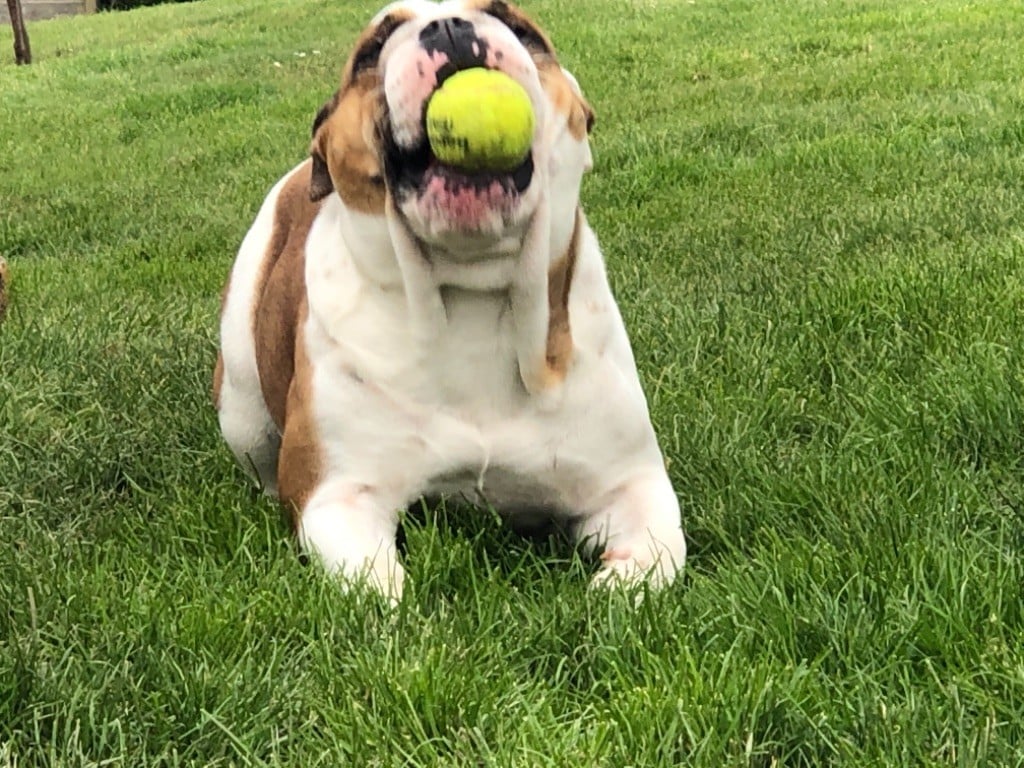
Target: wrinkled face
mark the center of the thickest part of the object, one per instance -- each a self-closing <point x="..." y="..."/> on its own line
<point x="370" y="145"/>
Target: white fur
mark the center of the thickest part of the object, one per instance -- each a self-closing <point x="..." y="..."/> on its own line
<point x="428" y="355"/>
<point x="403" y="415"/>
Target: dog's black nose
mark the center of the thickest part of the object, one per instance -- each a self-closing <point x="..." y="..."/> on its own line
<point x="457" y="39"/>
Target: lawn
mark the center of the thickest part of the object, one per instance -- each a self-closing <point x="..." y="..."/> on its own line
<point x="813" y="216"/>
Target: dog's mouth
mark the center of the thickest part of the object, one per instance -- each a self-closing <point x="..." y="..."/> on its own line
<point x="440" y="196"/>
<point x="419" y="169"/>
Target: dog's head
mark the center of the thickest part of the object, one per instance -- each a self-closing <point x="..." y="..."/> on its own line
<point x="369" y="141"/>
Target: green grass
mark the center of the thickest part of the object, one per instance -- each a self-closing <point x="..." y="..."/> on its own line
<point x="813" y="215"/>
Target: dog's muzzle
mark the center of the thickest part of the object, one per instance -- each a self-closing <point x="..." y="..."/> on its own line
<point x="441" y="196"/>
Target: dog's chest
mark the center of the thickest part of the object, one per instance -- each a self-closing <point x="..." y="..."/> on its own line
<point x="450" y="409"/>
<point x="471" y="367"/>
<point x="466" y="367"/>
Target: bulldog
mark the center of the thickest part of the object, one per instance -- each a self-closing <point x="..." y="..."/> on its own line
<point x="395" y="328"/>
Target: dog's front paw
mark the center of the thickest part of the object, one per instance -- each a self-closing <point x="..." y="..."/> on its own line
<point x="652" y="561"/>
<point x="380" y="572"/>
<point x="360" y="550"/>
<point x="640" y="532"/>
<point x="387" y="576"/>
<point x="384" y="574"/>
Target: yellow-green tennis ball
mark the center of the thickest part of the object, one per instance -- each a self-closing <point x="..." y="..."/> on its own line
<point x="480" y="120"/>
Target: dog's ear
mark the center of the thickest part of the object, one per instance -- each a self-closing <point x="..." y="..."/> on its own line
<point x="584" y="112"/>
<point x="588" y="113"/>
<point x="320" y="183"/>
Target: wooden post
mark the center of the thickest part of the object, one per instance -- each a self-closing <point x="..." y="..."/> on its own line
<point x="22" y="51"/>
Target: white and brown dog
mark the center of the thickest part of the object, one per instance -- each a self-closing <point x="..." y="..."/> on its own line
<point x="394" y="328"/>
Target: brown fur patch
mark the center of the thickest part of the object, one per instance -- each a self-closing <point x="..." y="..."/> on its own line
<point x="577" y="110"/>
<point x="281" y="291"/>
<point x="218" y="379"/>
<point x="345" y="142"/>
<point x="525" y="28"/>
<point x="299" y="460"/>
<point x="367" y="48"/>
<point x="345" y="152"/>
<point x="559" y="346"/>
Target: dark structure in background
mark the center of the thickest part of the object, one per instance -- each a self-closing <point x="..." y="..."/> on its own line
<point x="35" y="10"/>
<point x="22" y="50"/>
<point x="124" y="5"/>
<point x="20" y="11"/>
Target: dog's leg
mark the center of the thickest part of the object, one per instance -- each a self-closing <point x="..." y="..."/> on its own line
<point x="346" y="523"/>
<point x="249" y="430"/>
<point x="639" y="531"/>
<point x="351" y="527"/>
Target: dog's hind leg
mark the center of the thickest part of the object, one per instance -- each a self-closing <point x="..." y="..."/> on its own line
<point x="245" y="418"/>
<point x="247" y="427"/>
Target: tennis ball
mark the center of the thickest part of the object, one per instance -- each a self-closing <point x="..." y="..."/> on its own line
<point x="480" y="120"/>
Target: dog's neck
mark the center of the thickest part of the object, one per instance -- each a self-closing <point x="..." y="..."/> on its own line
<point x="471" y="262"/>
<point x="520" y="268"/>
<point x="387" y="254"/>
